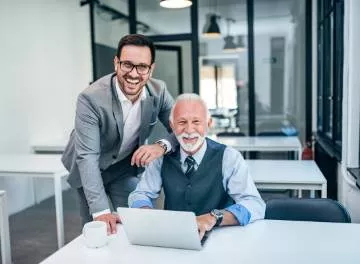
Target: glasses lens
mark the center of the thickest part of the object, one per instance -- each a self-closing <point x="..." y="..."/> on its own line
<point x="126" y="66"/>
<point x="142" y="69"/>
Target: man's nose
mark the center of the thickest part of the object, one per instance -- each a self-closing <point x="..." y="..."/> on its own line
<point x="189" y="128"/>
<point x="133" y="72"/>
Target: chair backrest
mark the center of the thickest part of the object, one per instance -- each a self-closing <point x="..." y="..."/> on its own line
<point x="317" y="210"/>
<point x="271" y="133"/>
<point x="230" y="134"/>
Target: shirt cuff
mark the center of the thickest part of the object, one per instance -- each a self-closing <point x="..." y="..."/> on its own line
<point x="106" y="211"/>
<point x="167" y="143"/>
<point x="240" y="212"/>
<point x="141" y="203"/>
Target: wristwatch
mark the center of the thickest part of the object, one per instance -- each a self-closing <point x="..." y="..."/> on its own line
<point x="163" y="145"/>
<point x="218" y="214"/>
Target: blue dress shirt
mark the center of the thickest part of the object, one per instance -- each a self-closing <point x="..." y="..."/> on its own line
<point x="237" y="182"/>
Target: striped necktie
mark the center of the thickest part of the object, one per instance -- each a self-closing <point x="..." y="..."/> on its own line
<point x="190" y="161"/>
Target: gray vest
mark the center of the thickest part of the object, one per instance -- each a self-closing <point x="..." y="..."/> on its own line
<point x="204" y="190"/>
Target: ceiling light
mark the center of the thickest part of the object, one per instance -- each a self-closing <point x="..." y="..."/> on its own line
<point x="229" y="44"/>
<point x="240" y="45"/>
<point x="211" y="28"/>
<point x="229" y="40"/>
<point x="175" y="3"/>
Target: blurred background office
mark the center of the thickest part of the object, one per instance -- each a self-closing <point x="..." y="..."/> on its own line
<point x="286" y="67"/>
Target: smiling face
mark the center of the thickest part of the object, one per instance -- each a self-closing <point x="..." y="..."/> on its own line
<point x="190" y="124"/>
<point x="131" y="82"/>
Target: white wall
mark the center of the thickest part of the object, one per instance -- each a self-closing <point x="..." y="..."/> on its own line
<point x="45" y="62"/>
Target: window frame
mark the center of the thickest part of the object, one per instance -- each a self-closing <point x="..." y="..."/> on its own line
<point x="330" y="34"/>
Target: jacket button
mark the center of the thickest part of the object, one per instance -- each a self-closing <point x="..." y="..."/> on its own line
<point x="114" y="157"/>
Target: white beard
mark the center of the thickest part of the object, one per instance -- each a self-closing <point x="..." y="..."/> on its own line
<point x="189" y="147"/>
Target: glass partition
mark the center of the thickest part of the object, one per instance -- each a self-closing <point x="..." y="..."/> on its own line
<point x="111" y="23"/>
<point x="279" y="52"/>
<point x="162" y="21"/>
<point x="223" y="63"/>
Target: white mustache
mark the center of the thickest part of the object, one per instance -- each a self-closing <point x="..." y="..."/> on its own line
<point x="189" y="136"/>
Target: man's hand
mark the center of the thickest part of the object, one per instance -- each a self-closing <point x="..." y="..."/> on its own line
<point x="110" y="220"/>
<point x="146" y="154"/>
<point x="205" y="223"/>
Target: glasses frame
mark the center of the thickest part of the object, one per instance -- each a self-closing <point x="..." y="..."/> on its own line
<point x="135" y="66"/>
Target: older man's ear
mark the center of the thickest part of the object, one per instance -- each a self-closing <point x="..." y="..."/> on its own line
<point x="171" y="125"/>
<point x="209" y="123"/>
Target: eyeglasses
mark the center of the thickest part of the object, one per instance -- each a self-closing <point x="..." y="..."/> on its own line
<point x="141" y="69"/>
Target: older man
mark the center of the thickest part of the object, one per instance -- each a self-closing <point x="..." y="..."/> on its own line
<point x="202" y="176"/>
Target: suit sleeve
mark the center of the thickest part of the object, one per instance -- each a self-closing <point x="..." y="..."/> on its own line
<point x="87" y="147"/>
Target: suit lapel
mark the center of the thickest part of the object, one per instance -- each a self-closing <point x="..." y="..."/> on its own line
<point x="116" y="108"/>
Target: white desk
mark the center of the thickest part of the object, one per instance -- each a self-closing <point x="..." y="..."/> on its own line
<point x="264" y="241"/>
<point x="4" y="230"/>
<point x="42" y="166"/>
<point x="288" y="174"/>
<point x="54" y="146"/>
<point x="280" y="143"/>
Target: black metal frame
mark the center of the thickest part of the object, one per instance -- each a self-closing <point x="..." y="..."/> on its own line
<point x="193" y="38"/>
<point x="330" y="97"/>
<point x="178" y="50"/>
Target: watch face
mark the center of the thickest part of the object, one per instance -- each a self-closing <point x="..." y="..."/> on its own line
<point x="217" y="213"/>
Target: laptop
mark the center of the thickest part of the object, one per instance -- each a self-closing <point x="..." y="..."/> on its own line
<point x="161" y="228"/>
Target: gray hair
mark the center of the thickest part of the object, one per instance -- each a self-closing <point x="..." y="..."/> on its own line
<point x="189" y="97"/>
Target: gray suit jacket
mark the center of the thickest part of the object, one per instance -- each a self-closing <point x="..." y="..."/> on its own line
<point x="95" y="142"/>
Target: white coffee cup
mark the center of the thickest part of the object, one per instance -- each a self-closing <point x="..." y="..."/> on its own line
<point x="95" y="234"/>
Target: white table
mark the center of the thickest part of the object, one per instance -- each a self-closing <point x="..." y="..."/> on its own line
<point x="265" y="241"/>
<point x="279" y="143"/>
<point x="42" y="166"/>
<point x="52" y="146"/>
<point x="4" y="230"/>
<point x="288" y="174"/>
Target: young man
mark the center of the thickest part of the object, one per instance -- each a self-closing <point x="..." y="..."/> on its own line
<point x="114" y="117"/>
<point x="201" y="175"/>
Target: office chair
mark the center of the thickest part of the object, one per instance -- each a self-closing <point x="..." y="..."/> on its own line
<point x="271" y="134"/>
<point x="230" y="134"/>
<point x="316" y="210"/>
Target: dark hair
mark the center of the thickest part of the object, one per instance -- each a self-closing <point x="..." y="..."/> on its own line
<point x="136" y="40"/>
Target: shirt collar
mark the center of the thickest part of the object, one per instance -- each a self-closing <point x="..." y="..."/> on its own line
<point x="121" y="95"/>
<point x="198" y="156"/>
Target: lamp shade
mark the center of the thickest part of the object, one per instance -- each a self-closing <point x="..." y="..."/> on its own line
<point x="240" y="45"/>
<point x="211" y="28"/>
<point x="229" y="44"/>
<point x="175" y="3"/>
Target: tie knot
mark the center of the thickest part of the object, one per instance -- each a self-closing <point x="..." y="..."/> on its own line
<point x="190" y="161"/>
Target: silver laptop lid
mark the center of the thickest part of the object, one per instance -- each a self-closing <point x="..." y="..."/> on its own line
<point x="162" y="228"/>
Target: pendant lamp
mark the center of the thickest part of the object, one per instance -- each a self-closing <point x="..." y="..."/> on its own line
<point x="211" y="28"/>
<point x="175" y="3"/>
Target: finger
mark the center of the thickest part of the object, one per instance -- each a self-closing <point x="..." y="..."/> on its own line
<point x="201" y="233"/>
<point x="108" y="227"/>
<point x="133" y="158"/>
<point x="118" y="220"/>
<point x="139" y="157"/>
<point x="112" y="223"/>
<point x="147" y="158"/>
